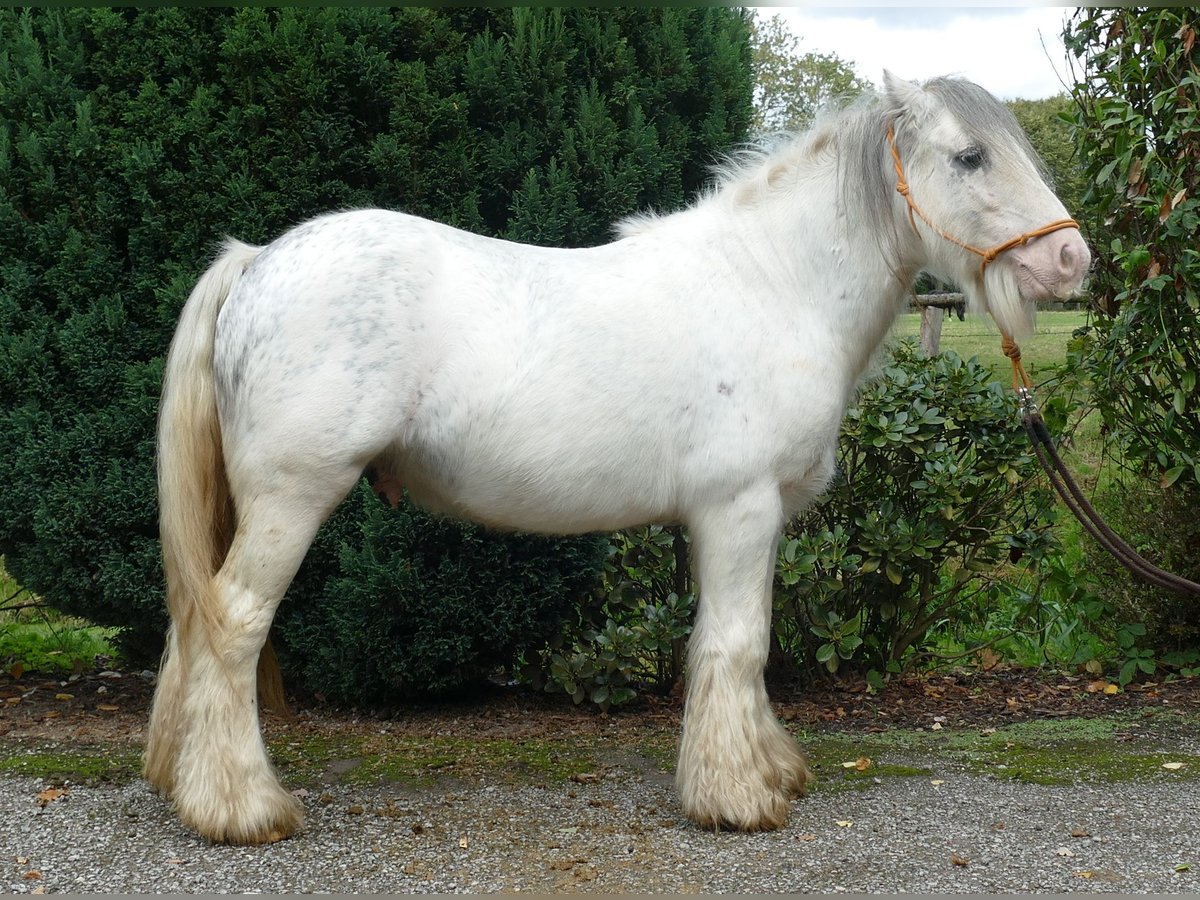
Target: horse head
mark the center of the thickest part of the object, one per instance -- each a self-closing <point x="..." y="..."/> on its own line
<point x="976" y="195"/>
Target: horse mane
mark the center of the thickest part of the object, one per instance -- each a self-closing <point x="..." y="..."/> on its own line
<point x="853" y="134"/>
<point x="850" y="134"/>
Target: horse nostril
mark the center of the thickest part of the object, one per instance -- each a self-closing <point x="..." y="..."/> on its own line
<point x="1073" y="258"/>
<point x="1067" y="257"/>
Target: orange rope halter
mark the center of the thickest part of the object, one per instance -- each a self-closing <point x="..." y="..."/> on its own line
<point x="1022" y="383"/>
<point x="1021" y="380"/>
<point x="987" y="255"/>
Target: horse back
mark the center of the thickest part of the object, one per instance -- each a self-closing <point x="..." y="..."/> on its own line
<point x="526" y="387"/>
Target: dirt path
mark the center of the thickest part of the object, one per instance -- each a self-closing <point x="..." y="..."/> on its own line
<point x="987" y="783"/>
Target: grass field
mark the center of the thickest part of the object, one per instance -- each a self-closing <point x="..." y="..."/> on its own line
<point x="978" y="336"/>
<point x="8" y="586"/>
<point x="37" y="638"/>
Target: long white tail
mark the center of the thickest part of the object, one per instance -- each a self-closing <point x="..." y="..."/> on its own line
<point x="195" y="511"/>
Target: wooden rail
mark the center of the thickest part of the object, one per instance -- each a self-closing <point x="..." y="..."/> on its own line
<point x="933" y="309"/>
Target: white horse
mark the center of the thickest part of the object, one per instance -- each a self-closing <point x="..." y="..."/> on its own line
<point x="695" y="370"/>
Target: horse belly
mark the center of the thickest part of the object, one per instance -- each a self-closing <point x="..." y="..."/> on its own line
<point x="509" y="464"/>
<point x="605" y="443"/>
<point x="605" y="434"/>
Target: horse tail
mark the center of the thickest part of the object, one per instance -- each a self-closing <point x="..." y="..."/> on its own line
<point x="195" y="507"/>
<point x="196" y="516"/>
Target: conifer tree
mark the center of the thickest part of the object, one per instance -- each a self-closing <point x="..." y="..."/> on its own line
<point x="132" y="140"/>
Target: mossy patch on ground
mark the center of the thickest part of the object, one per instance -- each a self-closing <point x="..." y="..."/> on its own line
<point x="81" y="765"/>
<point x="1101" y="752"/>
<point x="424" y="760"/>
<point x="1133" y="747"/>
<point x="1055" y="751"/>
<point x="846" y="762"/>
<point x="659" y="749"/>
<point x="359" y="759"/>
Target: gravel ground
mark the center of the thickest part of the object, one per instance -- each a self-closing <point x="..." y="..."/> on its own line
<point x="948" y="832"/>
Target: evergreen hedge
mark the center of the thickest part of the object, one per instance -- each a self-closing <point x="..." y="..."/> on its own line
<point x="132" y="140"/>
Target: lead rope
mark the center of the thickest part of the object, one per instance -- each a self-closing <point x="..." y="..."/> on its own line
<point x="1031" y="418"/>
<point x="1072" y="496"/>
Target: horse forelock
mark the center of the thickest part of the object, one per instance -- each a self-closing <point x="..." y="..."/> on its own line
<point x="985" y="120"/>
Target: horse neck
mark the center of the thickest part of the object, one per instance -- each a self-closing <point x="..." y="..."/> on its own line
<point x="820" y="251"/>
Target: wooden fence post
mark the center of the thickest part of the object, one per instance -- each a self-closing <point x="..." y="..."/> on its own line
<point x="931" y="330"/>
<point x="933" y="309"/>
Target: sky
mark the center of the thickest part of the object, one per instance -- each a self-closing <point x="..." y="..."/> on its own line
<point x="1013" y="51"/>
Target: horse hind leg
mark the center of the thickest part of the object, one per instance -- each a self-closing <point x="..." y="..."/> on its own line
<point x="223" y="784"/>
<point x="738" y="766"/>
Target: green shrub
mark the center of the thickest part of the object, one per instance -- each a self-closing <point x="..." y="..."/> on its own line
<point x="1137" y="129"/>
<point x="934" y="498"/>
<point x="633" y="632"/>
<point x="1161" y="524"/>
<point x="132" y="140"/>
<point x="1138" y="133"/>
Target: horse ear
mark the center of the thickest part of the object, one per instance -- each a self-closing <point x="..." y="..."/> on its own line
<point x="903" y="96"/>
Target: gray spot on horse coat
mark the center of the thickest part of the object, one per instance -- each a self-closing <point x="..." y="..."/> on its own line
<point x="726" y="389"/>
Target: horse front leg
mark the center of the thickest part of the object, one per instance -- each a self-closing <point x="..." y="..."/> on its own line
<point x="738" y="766"/>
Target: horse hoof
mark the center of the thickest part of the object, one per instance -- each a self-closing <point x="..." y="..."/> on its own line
<point x="268" y="819"/>
<point x="796" y="775"/>
<point x="284" y="821"/>
<point x="749" y="792"/>
<point x="768" y="813"/>
<point x="249" y="837"/>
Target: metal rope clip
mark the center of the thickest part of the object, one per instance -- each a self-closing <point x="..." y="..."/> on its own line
<point x="1025" y="402"/>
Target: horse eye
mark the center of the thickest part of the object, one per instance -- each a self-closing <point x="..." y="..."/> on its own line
<point x="971" y="158"/>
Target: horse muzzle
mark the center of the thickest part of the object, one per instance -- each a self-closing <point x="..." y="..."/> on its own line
<point x="1053" y="265"/>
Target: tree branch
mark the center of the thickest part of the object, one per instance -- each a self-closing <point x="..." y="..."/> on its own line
<point x="4" y="604"/>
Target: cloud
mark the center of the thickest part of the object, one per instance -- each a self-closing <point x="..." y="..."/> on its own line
<point x="907" y="16"/>
<point x="1012" y="51"/>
